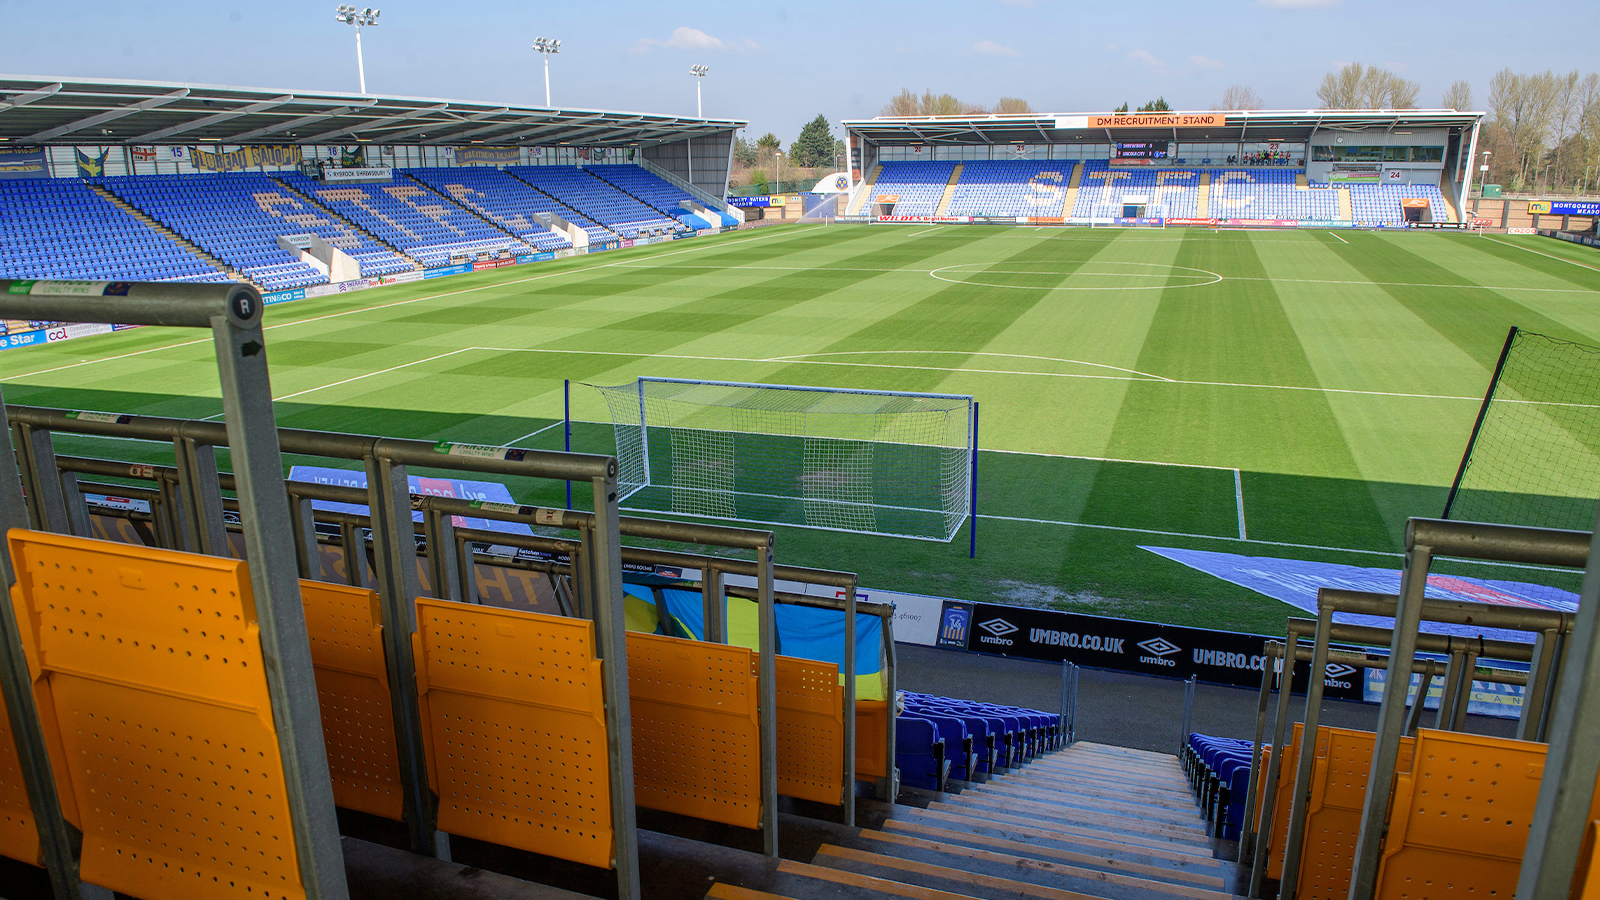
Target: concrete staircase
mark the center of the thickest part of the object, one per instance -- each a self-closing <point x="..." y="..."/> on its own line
<point x="1347" y="210"/>
<point x="1089" y="821"/>
<point x="167" y="233"/>
<point x="864" y="191"/>
<point x="1448" y="189"/>
<point x="949" y="191"/>
<point x="1202" y="208"/>
<point x="312" y="202"/>
<point x="1071" y="200"/>
<point x="1300" y="182"/>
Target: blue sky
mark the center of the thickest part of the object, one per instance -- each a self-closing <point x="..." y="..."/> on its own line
<point x="779" y="64"/>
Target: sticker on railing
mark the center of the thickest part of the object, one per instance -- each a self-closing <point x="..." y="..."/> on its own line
<point x="480" y="451"/>
<point x="72" y="288"/>
<point x="542" y="515"/>
<point x="86" y="416"/>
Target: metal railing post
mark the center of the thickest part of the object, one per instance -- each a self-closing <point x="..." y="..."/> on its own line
<point x="1300" y="797"/>
<point x="1188" y="710"/>
<point x="1539" y="680"/>
<point x="1452" y="687"/>
<point x="848" y="801"/>
<point x="767" y="699"/>
<point x="714" y="605"/>
<point x="201" y="494"/>
<point x="889" y="787"/>
<point x="1247" y="829"/>
<point x="611" y="642"/>
<point x="1280" y="728"/>
<point x="1391" y="718"/>
<point x="395" y="567"/>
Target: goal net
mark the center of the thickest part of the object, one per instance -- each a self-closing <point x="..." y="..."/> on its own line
<point x="1534" y="455"/>
<point x="874" y="462"/>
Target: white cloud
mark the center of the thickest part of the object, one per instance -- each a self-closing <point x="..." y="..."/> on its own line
<point x="1147" y="58"/>
<point x="685" y="38"/>
<point x="1205" y="62"/>
<point x="1298" y="4"/>
<point x="990" y="48"/>
<point x="1113" y="47"/>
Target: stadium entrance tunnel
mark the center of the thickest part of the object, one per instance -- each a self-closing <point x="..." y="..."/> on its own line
<point x="1090" y="276"/>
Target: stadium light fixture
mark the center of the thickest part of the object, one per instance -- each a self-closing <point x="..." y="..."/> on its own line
<point x="349" y="15"/>
<point x="699" y="73"/>
<point x="546" y="46"/>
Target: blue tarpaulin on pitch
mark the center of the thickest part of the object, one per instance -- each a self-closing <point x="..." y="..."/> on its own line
<point x="1295" y="582"/>
<point x="420" y="484"/>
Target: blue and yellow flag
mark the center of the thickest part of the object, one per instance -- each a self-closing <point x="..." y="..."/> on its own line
<point x="91" y="166"/>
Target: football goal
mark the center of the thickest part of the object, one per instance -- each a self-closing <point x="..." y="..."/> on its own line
<point x="873" y="462"/>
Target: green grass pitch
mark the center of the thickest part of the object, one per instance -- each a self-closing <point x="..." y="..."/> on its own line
<point x="1137" y="386"/>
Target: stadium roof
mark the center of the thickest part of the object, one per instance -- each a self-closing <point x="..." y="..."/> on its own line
<point x="1059" y="128"/>
<point x="35" y="110"/>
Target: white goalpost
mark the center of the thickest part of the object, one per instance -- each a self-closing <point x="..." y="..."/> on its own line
<point x="893" y="463"/>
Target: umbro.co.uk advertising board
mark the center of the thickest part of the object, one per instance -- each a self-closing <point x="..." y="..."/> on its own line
<point x="1222" y="657"/>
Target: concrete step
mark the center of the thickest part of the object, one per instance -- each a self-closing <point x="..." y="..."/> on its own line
<point x="1077" y="824"/>
<point x="1100" y="791"/>
<point x="1085" y="813"/>
<point x="1177" y="872"/>
<point x="1099" y="781"/>
<point x="1094" y="769"/>
<point x="997" y="876"/>
<point x="1070" y="837"/>
<point x="1061" y="815"/>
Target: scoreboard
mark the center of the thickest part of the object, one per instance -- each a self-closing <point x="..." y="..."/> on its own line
<point x="1141" y="150"/>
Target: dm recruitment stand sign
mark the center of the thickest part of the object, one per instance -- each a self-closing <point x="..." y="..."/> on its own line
<point x="1146" y="648"/>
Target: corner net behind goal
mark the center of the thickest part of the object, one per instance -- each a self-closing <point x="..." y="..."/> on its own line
<point x="873" y="462"/>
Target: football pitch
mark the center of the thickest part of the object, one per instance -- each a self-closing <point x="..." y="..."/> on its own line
<point x="1284" y="394"/>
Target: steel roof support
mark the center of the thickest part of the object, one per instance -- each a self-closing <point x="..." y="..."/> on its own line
<point x="109" y="115"/>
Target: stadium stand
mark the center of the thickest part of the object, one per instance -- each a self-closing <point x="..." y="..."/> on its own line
<point x="239" y="217"/>
<point x="60" y="228"/>
<point x="598" y="201"/>
<point x="500" y="198"/>
<point x="1011" y="188"/>
<point x="1267" y="194"/>
<point x="424" y="225"/>
<point x="917" y="185"/>
<point x="1380" y="203"/>
<point x="649" y="188"/>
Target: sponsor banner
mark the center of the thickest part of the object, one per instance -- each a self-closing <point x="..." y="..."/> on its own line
<point x="107" y="501"/>
<point x="482" y="264"/>
<point x="331" y="175"/>
<point x="1587" y="240"/>
<point x="1205" y="222"/>
<point x="246" y="158"/>
<point x="1522" y="231"/>
<point x="482" y="491"/>
<point x="23" y="339"/>
<point x="566" y="252"/>
<point x="1295" y="582"/>
<point x="400" y="277"/>
<point x="1488" y="698"/>
<point x="1446" y="226"/>
<point x="21" y="163"/>
<point x="861" y="219"/>
<point x="1263" y="223"/>
<point x="90" y="166"/>
<point x="994" y="220"/>
<point x="1144" y="120"/>
<point x="283" y="296"/>
<point x="497" y="156"/>
<point x="750" y="202"/>
<point x="1041" y="220"/>
<point x="1147" y="648"/>
<point x="1563" y="208"/>
<point x="76" y="330"/>
<point x="1139" y="221"/>
<point x="442" y="271"/>
<point x="924" y="220"/>
<point x="1482" y="223"/>
<point x="627" y="243"/>
<point x="541" y="256"/>
<point x="343" y="287"/>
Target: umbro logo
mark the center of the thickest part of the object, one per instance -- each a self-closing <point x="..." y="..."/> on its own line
<point x="998" y="627"/>
<point x="1337" y="671"/>
<point x="1159" y="647"/>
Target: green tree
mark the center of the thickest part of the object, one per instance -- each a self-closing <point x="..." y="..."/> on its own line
<point x="1012" y="106"/>
<point x="768" y="143"/>
<point x="1121" y="109"/>
<point x="1159" y="104"/>
<point x="744" y="152"/>
<point x="814" y="146"/>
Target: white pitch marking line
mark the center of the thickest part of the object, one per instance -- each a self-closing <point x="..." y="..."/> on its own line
<point x="1238" y="499"/>
<point x="534" y="433"/>
<point x="925" y="231"/>
<point x="1547" y="255"/>
<point x="358" y="378"/>
<point x="380" y="306"/>
<point x="1337" y="238"/>
<point x="1076" y="362"/>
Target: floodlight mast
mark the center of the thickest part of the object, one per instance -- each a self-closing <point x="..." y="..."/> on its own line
<point x="349" y="15"/>
<point x="546" y="46"/>
<point x="699" y="73"/>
